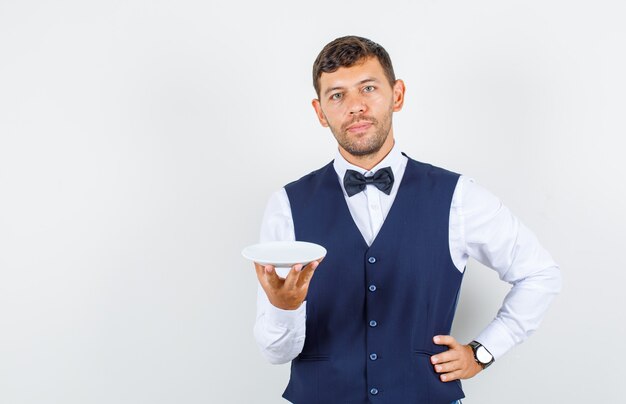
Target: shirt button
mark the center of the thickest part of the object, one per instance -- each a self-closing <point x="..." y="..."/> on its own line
<point x="372" y="288"/>
<point x="373" y="323"/>
<point x="373" y="391"/>
<point x="371" y="260"/>
<point x="373" y="356"/>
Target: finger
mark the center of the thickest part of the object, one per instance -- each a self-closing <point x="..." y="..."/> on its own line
<point x="292" y="276"/>
<point x="261" y="269"/>
<point x="267" y="283"/>
<point x="448" y="377"/>
<point x="307" y="274"/>
<point x="272" y="278"/>
<point x="448" y="367"/>
<point x="453" y="353"/>
<point x="447" y="356"/>
<point x="260" y="272"/>
<point x="446" y="340"/>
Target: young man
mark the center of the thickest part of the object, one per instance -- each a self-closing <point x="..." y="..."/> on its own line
<point x="371" y="322"/>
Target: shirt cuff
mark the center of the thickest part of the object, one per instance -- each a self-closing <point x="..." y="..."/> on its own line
<point x="496" y="338"/>
<point x="289" y="319"/>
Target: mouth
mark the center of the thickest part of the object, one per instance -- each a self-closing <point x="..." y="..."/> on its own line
<point x="361" y="126"/>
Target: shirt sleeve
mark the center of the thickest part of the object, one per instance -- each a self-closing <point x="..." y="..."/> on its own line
<point x="278" y="333"/>
<point x="495" y="237"/>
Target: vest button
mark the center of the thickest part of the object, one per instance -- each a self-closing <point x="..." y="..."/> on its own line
<point x="371" y="260"/>
<point x="373" y="391"/>
<point x="372" y="288"/>
<point x="373" y="356"/>
<point x="373" y="323"/>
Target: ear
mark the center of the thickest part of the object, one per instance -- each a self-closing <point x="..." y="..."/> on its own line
<point x="398" y="95"/>
<point x="318" y="111"/>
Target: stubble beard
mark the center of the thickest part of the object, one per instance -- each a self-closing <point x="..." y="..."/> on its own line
<point x="369" y="144"/>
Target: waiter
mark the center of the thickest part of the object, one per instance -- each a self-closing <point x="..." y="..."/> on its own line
<point x="371" y="322"/>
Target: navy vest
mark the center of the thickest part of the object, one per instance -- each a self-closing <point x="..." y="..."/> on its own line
<point x="372" y="311"/>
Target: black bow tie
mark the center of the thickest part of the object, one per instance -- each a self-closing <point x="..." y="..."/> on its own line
<point x="355" y="182"/>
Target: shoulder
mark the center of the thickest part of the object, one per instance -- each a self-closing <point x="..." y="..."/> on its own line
<point x="430" y="168"/>
<point x="432" y="172"/>
<point x="472" y="198"/>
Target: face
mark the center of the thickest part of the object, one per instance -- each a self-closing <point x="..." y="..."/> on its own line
<point x="357" y="104"/>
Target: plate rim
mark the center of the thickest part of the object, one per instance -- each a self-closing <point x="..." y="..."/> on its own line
<point x="277" y="263"/>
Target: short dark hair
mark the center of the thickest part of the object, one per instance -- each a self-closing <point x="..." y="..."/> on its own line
<point x="348" y="51"/>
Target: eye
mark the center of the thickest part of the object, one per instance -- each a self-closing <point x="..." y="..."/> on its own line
<point x="369" y="89"/>
<point x="336" y="96"/>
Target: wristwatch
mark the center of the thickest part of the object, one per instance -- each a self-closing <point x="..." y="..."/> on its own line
<point x="481" y="354"/>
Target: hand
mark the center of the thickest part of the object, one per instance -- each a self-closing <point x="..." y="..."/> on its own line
<point x="286" y="293"/>
<point x="457" y="362"/>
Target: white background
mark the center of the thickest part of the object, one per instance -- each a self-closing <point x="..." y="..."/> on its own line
<point x="140" y="140"/>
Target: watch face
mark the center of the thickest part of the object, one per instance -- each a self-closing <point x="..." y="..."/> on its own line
<point x="482" y="355"/>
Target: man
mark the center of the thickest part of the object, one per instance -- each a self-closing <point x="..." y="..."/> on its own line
<point x="370" y="322"/>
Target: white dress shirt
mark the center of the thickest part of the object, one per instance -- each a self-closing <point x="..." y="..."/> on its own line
<point x="480" y="227"/>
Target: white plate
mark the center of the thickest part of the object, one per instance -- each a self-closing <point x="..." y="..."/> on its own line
<point x="284" y="254"/>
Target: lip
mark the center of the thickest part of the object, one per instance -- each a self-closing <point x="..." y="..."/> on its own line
<point x="359" y="126"/>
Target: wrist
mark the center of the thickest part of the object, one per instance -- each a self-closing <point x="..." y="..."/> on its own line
<point x="482" y="356"/>
<point x="287" y="306"/>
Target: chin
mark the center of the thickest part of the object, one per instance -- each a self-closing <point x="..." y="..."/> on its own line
<point x="360" y="152"/>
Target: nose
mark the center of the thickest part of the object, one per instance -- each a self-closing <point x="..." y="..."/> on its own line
<point x="357" y="105"/>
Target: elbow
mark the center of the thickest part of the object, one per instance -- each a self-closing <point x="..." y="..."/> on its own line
<point x="547" y="280"/>
<point x="275" y="360"/>
<point x="557" y="280"/>
<point x="274" y="357"/>
<point x="274" y="352"/>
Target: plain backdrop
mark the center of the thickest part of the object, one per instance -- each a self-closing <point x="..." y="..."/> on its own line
<point x="140" y="141"/>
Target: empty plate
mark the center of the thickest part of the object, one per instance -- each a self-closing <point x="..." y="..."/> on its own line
<point x="284" y="254"/>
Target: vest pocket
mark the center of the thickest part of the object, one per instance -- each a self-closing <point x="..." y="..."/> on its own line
<point x="313" y="358"/>
<point x="424" y="352"/>
<point x="436" y="390"/>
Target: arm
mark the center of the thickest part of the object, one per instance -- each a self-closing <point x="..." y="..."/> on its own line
<point x="497" y="239"/>
<point x="492" y="235"/>
<point x="279" y="333"/>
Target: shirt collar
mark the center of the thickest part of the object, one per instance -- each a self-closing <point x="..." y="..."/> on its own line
<point x="393" y="159"/>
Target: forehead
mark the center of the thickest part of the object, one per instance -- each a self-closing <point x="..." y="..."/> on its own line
<point x="369" y="68"/>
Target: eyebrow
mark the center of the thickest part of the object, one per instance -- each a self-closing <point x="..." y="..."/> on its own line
<point x="367" y="80"/>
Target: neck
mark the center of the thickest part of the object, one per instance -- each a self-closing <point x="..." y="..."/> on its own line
<point x="369" y="161"/>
